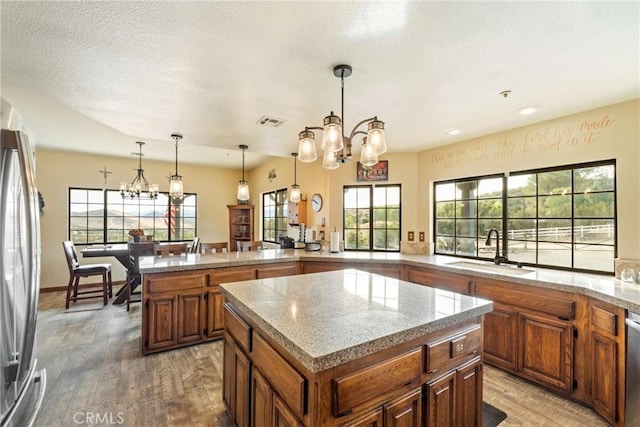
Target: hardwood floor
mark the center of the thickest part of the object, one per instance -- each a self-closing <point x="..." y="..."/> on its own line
<point x="96" y="376"/>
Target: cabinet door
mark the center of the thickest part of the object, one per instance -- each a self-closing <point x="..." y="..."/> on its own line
<point x="545" y="350"/>
<point x="604" y="359"/>
<point x="191" y="319"/>
<point x="162" y="312"/>
<point x="441" y="401"/>
<point x="371" y="419"/>
<point x="500" y="337"/>
<point x="236" y="382"/>
<point x="469" y="398"/>
<point x="405" y="411"/>
<point x="282" y="415"/>
<point x="261" y="400"/>
<point x="215" y="313"/>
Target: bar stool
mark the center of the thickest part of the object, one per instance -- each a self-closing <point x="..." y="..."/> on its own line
<point x="136" y="250"/>
<point x="244" y="246"/>
<point x="76" y="271"/>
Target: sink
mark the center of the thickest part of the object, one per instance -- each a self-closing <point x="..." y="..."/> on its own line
<point x="491" y="268"/>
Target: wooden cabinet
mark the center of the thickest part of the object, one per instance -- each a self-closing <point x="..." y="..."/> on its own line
<point x="240" y="225"/>
<point x="530" y="333"/>
<point x="297" y="213"/>
<point x="405" y="411"/>
<point x="387" y="270"/>
<point x="162" y="329"/>
<point x="455" y="399"/>
<point x="606" y="360"/>
<point x="236" y="382"/>
<point x="439" y="279"/>
<point x="191" y="317"/>
<point x="215" y="318"/>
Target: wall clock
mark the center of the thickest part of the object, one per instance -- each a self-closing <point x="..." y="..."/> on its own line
<point x="316" y="202"/>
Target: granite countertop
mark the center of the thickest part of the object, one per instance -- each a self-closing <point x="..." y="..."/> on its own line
<point x="327" y="319"/>
<point x="605" y="288"/>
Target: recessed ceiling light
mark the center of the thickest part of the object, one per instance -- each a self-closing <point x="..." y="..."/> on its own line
<point x="452" y="131"/>
<point x="529" y="110"/>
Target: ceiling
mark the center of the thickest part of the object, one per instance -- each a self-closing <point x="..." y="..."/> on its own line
<point x="212" y="70"/>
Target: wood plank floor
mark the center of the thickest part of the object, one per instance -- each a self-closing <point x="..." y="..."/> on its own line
<point x="95" y="373"/>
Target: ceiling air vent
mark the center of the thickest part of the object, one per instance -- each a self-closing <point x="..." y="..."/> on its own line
<point x="270" y="121"/>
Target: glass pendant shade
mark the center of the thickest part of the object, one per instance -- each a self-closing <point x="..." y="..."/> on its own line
<point x="376" y="137"/>
<point x="307" y="146"/>
<point x="329" y="160"/>
<point x="368" y="155"/>
<point x="176" y="187"/>
<point x="294" y="193"/>
<point x="332" y="133"/>
<point x="243" y="191"/>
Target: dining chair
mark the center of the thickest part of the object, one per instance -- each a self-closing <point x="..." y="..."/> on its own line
<point x="195" y="245"/>
<point x="175" y="249"/>
<point x="136" y="250"/>
<point x="210" y="248"/>
<point x="249" y="246"/>
<point x="76" y="271"/>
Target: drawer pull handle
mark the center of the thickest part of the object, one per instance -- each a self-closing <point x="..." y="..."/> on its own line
<point x="345" y="413"/>
<point x="474" y="352"/>
<point x="432" y="371"/>
<point x="411" y="382"/>
<point x="566" y="319"/>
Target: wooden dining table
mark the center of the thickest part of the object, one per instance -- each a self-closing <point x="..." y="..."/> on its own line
<point x="120" y="251"/>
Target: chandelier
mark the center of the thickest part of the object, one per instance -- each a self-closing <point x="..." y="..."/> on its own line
<point x="337" y="147"/>
<point x="294" y="193"/>
<point x="176" y="188"/>
<point x="243" y="186"/>
<point x="139" y="185"/>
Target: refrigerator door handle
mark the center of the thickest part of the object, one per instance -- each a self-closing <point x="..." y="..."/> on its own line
<point x="25" y="159"/>
<point x="18" y="413"/>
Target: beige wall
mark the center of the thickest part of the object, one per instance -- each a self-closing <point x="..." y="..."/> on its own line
<point x="606" y="133"/>
<point x="59" y="170"/>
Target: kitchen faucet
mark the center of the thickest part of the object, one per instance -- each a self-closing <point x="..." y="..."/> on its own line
<point x="499" y="257"/>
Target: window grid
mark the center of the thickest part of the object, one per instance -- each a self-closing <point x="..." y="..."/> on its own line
<point x="274" y="215"/>
<point x="98" y="216"/>
<point x="562" y="217"/>
<point x="372" y="218"/>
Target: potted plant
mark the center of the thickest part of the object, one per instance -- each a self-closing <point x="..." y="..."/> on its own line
<point x="136" y="234"/>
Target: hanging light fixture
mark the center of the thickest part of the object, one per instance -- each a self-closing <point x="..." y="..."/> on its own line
<point x="337" y="147"/>
<point x="139" y="185"/>
<point x="368" y="155"/>
<point x="176" y="187"/>
<point x="243" y="186"/>
<point x="294" y="193"/>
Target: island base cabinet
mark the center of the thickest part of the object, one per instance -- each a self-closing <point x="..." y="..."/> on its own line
<point x="162" y="314"/>
<point x="455" y="399"/>
<point x="406" y="411"/>
<point x="267" y="408"/>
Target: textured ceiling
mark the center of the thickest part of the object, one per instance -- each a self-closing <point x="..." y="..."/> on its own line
<point x="211" y="70"/>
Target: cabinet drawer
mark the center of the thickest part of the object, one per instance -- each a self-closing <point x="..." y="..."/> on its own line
<point x="603" y="321"/>
<point x="288" y="269"/>
<point x="284" y="379"/>
<point x="445" y="354"/>
<point x="237" y="327"/>
<point x="364" y="385"/>
<point x="173" y="282"/>
<point x="439" y="279"/>
<point x="231" y="275"/>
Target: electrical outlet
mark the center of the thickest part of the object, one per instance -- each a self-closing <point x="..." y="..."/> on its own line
<point x="410" y="236"/>
<point x="421" y="236"/>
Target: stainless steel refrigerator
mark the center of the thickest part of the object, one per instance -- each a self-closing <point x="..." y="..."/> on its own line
<point x="23" y="386"/>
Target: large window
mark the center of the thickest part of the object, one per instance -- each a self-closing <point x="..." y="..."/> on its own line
<point x="558" y="217"/>
<point x="274" y="215"/>
<point x="372" y="218"/>
<point x="104" y="216"/>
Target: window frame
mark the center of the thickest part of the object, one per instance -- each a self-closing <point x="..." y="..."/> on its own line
<point x="504" y="234"/>
<point x="371" y="207"/>
<point x="105" y="217"/>
<point x="285" y="208"/>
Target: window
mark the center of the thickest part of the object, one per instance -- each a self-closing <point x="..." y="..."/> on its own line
<point x="558" y="217"/>
<point x="274" y="215"/>
<point x="372" y="218"/>
<point x="99" y="216"/>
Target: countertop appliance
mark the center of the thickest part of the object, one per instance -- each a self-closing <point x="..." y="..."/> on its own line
<point x="286" y="242"/>
<point x="313" y="246"/>
<point x="22" y="386"/>
<point x="632" y="411"/>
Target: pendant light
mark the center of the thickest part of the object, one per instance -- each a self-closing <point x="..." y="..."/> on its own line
<point x="139" y="185"/>
<point x="336" y="146"/>
<point x="368" y="155"/>
<point x="294" y="193"/>
<point x="243" y="186"/>
<point x="176" y="187"/>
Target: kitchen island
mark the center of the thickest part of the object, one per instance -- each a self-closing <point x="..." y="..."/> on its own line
<point x="351" y="348"/>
